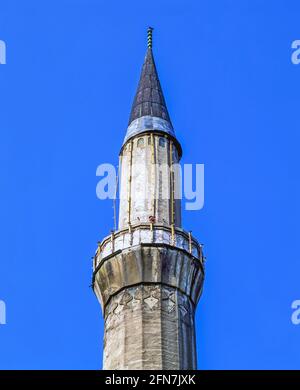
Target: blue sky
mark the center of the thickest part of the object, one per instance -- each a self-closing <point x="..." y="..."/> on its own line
<point x="233" y="96"/>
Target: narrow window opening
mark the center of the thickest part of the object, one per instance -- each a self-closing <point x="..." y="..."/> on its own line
<point x="162" y="142"/>
<point x="140" y="142"/>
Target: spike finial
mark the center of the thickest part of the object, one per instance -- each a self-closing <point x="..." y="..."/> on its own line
<point x="149" y="37"/>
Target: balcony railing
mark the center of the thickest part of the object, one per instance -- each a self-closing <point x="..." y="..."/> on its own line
<point x="148" y="234"/>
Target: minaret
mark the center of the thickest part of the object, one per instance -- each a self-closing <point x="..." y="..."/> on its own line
<point x="148" y="275"/>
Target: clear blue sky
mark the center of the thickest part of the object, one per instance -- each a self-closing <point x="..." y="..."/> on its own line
<point x="233" y="96"/>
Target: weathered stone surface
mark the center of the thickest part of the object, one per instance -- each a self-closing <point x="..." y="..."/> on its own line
<point x="144" y="233"/>
<point x="149" y="327"/>
<point x="148" y="295"/>
<point x="149" y="264"/>
<point x="147" y="193"/>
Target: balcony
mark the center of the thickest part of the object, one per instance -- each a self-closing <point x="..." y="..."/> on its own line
<point x="148" y="234"/>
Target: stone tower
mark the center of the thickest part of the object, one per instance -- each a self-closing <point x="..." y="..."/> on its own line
<point x="148" y="275"/>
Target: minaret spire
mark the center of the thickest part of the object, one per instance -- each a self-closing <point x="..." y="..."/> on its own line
<point x="149" y="109"/>
<point x="149" y="99"/>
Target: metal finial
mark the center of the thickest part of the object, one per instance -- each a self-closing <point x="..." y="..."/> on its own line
<point x="149" y="38"/>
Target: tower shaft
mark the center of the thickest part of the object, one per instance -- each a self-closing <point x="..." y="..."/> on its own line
<point x="149" y="181"/>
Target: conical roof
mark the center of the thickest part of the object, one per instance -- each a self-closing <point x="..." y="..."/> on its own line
<point x="149" y="111"/>
<point x="149" y="98"/>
